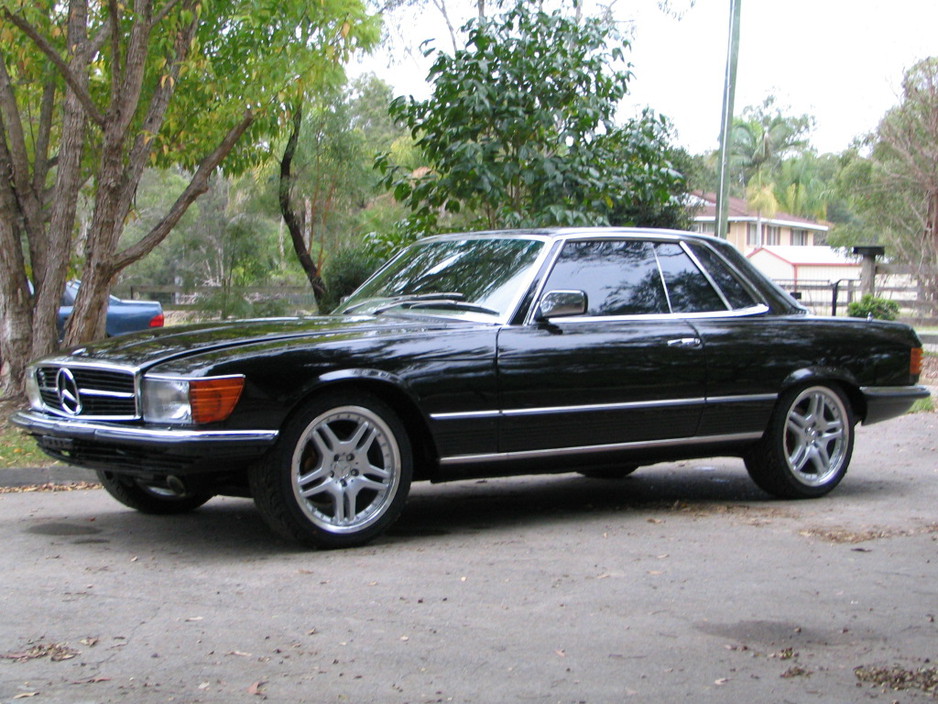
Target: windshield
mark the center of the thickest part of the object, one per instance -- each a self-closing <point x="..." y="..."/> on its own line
<point x="477" y="278"/>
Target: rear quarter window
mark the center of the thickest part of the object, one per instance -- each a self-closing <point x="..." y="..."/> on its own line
<point x="736" y="294"/>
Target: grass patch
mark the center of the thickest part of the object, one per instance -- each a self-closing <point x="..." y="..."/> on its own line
<point x="923" y="405"/>
<point x="17" y="449"/>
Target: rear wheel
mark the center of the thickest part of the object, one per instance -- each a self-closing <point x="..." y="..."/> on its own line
<point x="808" y="445"/>
<point x="339" y="474"/>
<point x="148" y="498"/>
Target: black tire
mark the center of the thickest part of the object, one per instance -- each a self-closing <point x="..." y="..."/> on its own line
<point x="807" y="447"/>
<point x="150" y="499"/>
<point x="339" y="473"/>
<point x="611" y="471"/>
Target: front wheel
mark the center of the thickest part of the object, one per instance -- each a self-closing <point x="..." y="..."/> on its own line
<point x="151" y="499"/>
<point x="808" y="445"/>
<point x="339" y="474"/>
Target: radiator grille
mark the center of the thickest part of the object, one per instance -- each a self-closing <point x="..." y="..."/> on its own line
<point x="88" y="392"/>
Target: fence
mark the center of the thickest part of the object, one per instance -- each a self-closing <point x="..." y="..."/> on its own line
<point x="233" y="300"/>
<point x="824" y="297"/>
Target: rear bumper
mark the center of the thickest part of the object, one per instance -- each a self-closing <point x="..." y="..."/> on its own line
<point x="885" y="402"/>
<point x="138" y="448"/>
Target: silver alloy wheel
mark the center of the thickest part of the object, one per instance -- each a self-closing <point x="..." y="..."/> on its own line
<point x="816" y="436"/>
<point x="346" y="469"/>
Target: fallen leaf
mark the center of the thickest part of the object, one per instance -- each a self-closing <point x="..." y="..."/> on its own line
<point x="257" y="688"/>
<point x="26" y="695"/>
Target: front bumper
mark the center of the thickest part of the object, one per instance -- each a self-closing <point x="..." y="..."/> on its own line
<point x="143" y="449"/>
<point x="885" y="402"/>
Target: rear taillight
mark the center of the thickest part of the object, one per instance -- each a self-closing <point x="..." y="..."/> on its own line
<point x="157" y="321"/>
<point x="916" y="361"/>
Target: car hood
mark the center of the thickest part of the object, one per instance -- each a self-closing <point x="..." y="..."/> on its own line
<point x="144" y="350"/>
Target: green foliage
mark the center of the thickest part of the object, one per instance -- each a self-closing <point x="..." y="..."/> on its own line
<point x="762" y="137"/>
<point x="870" y="305"/>
<point x="520" y="131"/>
<point x="226" y="239"/>
<point x="333" y="179"/>
<point x="345" y="271"/>
<point x="892" y="185"/>
<point x="258" y="54"/>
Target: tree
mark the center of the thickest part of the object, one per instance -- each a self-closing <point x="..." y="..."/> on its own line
<point x="762" y="137"/>
<point x="326" y="176"/>
<point x="520" y="129"/>
<point x="803" y="184"/>
<point x="894" y="190"/>
<point x="92" y="93"/>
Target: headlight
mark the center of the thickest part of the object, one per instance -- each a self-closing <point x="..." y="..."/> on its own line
<point x="181" y="400"/>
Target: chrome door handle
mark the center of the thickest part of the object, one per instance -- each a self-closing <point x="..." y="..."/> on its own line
<point x="685" y="342"/>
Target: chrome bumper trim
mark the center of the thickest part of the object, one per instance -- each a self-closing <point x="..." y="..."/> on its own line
<point x="136" y="435"/>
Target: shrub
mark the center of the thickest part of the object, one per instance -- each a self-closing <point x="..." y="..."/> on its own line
<point x="345" y="271"/>
<point x="870" y="305"/>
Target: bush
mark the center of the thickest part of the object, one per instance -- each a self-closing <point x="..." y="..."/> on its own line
<point x="870" y="305"/>
<point x="345" y="271"/>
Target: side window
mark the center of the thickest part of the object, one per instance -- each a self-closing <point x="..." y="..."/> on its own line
<point x="619" y="277"/>
<point x="688" y="289"/>
<point x="735" y="293"/>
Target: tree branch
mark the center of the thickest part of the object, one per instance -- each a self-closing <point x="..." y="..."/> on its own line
<point x="197" y="186"/>
<point x="159" y="102"/>
<point x="83" y="95"/>
<point x="11" y="128"/>
<point x="41" y="161"/>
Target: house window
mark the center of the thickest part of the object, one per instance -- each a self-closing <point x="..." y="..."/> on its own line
<point x="752" y="234"/>
<point x="799" y="238"/>
<point x="706" y="228"/>
<point x="771" y="235"/>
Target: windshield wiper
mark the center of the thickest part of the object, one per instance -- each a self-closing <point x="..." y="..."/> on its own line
<point x="394" y="301"/>
<point x="416" y="299"/>
<point x="444" y="304"/>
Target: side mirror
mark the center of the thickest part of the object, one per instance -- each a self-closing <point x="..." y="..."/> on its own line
<point x="559" y="304"/>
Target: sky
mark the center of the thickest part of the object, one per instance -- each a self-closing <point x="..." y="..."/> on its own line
<point x="840" y="61"/>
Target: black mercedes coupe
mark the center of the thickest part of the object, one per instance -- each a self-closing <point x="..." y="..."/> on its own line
<point x="478" y="355"/>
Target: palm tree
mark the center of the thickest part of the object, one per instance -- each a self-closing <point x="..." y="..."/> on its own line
<point x="762" y="137"/>
<point x="760" y="196"/>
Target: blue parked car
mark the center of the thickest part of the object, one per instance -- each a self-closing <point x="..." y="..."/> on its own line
<point x="122" y="316"/>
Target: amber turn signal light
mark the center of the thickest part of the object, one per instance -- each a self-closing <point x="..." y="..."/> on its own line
<point x="213" y="400"/>
<point x="916" y="361"/>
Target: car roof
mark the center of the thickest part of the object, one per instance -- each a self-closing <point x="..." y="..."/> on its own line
<point x="556" y="233"/>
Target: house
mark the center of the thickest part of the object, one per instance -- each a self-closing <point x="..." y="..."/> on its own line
<point x="793" y="265"/>
<point x="748" y="230"/>
<point x="788" y="249"/>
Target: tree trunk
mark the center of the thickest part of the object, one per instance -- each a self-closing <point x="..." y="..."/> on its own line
<point x="288" y="211"/>
<point x="15" y="312"/>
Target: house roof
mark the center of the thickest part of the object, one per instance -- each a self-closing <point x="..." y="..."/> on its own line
<point x="807" y="256"/>
<point x="705" y="205"/>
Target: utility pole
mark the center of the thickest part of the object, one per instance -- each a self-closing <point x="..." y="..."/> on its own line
<point x="726" y="124"/>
